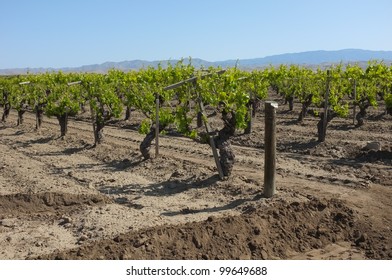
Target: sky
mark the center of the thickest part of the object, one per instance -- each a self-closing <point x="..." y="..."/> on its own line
<point x="71" y="33"/>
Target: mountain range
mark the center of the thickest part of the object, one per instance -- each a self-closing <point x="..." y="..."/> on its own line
<point x="309" y="58"/>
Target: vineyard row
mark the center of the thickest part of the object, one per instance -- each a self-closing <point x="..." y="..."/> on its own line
<point x="175" y="96"/>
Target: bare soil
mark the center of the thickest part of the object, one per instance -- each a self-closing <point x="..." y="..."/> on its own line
<point x="65" y="199"/>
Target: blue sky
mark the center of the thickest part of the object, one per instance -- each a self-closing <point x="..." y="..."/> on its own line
<point x="68" y="33"/>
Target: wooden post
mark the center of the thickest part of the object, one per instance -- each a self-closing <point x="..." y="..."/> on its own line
<point x="249" y="123"/>
<point x="36" y="119"/>
<point x="355" y="101"/>
<point x="93" y="119"/>
<point x="270" y="148"/>
<point x="212" y="140"/>
<point x="157" y="126"/>
<point x="325" y="123"/>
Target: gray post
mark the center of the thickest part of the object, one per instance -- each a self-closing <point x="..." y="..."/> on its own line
<point x="326" y="99"/>
<point x="355" y="101"/>
<point x="157" y="127"/>
<point x="249" y="123"/>
<point x="270" y="148"/>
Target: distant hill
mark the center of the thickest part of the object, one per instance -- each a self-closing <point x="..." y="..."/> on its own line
<point x="320" y="57"/>
<point x="310" y="58"/>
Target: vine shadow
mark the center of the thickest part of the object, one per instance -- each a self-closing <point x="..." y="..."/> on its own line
<point x="299" y="146"/>
<point x="232" y="205"/>
<point x="176" y="186"/>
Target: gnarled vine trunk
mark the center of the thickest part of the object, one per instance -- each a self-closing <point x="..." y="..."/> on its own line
<point x="361" y="114"/>
<point x="20" y="116"/>
<point x="21" y="110"/>
<point x="290" y="100"/>
<point x="128" y="111"/>
<point x="320" y="124"/>
<point x="99" y="118"/>
<point x="145" y="146"/>
<point x="7" y="106"/>
<point x="6" y="112"/>
<point x="98" y="131"/>
<point x="304" y="110"/>
<point x="255" y="106"/>
<point x="199" y="119"/>
<point x="63" y="121"/>
<point x="222" y="142"/>
<point x="39" y="113"/>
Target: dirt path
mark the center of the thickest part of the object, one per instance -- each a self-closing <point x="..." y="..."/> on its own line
<point x="63" y="196"/>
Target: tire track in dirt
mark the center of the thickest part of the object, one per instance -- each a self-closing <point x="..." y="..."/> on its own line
<point x="22" y="176"/>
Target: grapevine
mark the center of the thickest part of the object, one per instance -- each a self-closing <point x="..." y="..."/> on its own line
<point x="181" y="90"/>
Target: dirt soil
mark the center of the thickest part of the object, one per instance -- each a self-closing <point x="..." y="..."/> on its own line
<point x="65" y="199"/>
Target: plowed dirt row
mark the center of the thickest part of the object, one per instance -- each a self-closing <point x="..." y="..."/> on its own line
<point x="63" y="198"/>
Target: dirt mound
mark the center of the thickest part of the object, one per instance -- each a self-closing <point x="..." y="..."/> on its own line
<point x="45" y="202"/>
<point x="279" y="233"/>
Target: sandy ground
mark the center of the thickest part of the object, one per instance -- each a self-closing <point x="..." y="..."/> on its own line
<point x="64" y="199"/>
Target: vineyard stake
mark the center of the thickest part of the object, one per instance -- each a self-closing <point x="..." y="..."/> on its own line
<point x="325" y="120"/>
<point x="157" y="126"/>
<point x="192" y="79"/>
<point x="249" y="124"/>
<point x="270" y="148"/>
<point x="74" y="83"/>
<point x="211" y="138"/>
<point x="93" y="119"/>
<point x="355" y="101"/>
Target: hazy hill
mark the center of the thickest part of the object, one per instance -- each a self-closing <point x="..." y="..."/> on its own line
<point x="310" y="58"/>
<point x="320" y="57"/>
